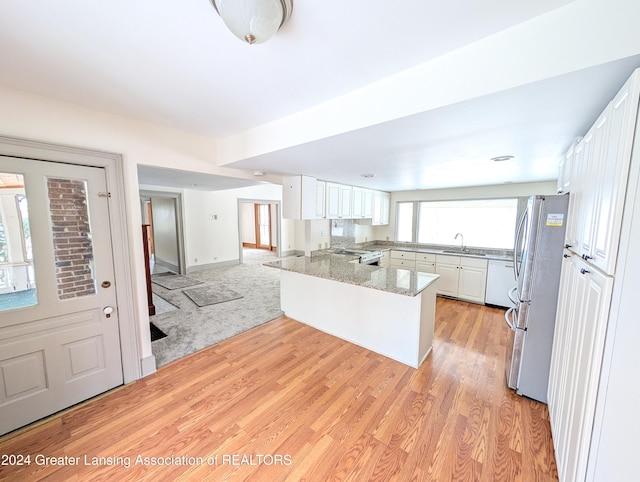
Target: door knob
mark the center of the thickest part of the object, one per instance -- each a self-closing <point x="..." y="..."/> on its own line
<point x="107" y="310"/>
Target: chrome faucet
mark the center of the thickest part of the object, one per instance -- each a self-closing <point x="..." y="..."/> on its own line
<point x="461" y="241"/>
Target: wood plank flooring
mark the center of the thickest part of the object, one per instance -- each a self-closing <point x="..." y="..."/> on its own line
<point x="286" y="402"/>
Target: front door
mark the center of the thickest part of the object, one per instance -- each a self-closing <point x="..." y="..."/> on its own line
<point x="59" y="335"/>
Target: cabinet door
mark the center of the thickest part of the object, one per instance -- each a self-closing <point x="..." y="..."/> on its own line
<point x="358" y="202"/>
<point x="448" y="283"/>
<point x="612" y="177"/>
<point x="291" y="197"/>
<point x="574" y="213"/>
<point x="380" y="214"/>
<point x="320" y="199"/>
<point x="589" y="179"/>
<point x="426" y="266"/>
<point x="472" y="284"/>
<point x="346" y="201"/>
<point x="332" y="194"/>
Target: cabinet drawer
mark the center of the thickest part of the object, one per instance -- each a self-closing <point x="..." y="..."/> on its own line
<point x="473" y="262"/>
<point x="426" y="257"/>
<point x="403" y="263"/>
<point x="403" y="255"/>
<point x="384" y="255"/>
<point x="446" y="259"/>
<point x="425" y="266"/>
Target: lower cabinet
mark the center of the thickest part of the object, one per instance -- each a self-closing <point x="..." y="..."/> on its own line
<point x="576" y="359"/>
<point x="461" y="277"/>
<point x="385" y="259"/>
<point x="426" y="262"/>
<point x="403" y="259"/>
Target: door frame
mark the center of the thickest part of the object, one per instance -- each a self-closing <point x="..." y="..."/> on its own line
<point x="275" y="220"/>
<point x="177" y="196"/>
<point x="112" y="164"/>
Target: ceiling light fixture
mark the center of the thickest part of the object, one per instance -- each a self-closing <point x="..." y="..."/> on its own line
<point x="368" y="176"/>
<point x="258" y="173"/>
<point x="253" y="21"/>
<point x="501" y="158"/>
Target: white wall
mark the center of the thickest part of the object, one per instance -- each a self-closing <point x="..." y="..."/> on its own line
<point x="213" y="241"/>
<point x="387" y="232"/>
<point x="39" y="118"/>
<point x="248" y="222"/>
<point x="165" y="232"/>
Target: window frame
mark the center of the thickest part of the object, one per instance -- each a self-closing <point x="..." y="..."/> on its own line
<point x="415" y="221"/>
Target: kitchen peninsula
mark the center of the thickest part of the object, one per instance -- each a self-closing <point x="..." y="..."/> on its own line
<point x="387" y="310"/>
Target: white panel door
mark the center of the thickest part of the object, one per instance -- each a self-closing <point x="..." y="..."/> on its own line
<point x="59" y="335"/>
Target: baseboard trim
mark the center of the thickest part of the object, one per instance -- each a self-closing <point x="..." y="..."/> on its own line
<point x="203" y="267"/>
<point x="148" y="365"/>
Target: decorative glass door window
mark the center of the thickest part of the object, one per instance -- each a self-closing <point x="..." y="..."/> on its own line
<point x="17" y="276"/>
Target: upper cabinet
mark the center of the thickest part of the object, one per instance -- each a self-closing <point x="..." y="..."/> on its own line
<point x="299" y="197"/>
<point x="597" y="181"/>
<point x="305" y="197"/>
<point x="381" y="205"/>
<point x="362" y="203"/>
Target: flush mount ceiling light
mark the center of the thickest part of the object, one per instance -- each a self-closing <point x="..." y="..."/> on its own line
<point x="253" y="21"/>
<point x="258" y="173"/>
<point x="368" y="176"/>
<point x="501" y="158"/>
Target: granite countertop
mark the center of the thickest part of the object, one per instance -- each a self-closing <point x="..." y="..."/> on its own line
<point x="337" y="267"/>
<point x="471" y="253"/>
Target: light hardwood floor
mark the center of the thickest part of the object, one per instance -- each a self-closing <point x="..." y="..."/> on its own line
<point x="286" y="402"/>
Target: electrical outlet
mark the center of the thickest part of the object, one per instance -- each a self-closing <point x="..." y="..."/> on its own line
<point x="195" y="260"/>
<point x="319" y="245"/>
<point x="387" y="238"/>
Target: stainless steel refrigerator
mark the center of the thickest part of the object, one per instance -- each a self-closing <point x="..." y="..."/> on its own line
<point x="538" y="250"/>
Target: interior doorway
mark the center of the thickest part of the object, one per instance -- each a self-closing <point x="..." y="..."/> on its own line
<point x="162" y="213"/>
<point x="259" y="229"/>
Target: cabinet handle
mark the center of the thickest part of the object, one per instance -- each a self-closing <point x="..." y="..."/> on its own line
<point x="567" y="246"/>
<point x="586" y="257"/>
<point x="566" y="255"/>
<point x="584" y="271"/>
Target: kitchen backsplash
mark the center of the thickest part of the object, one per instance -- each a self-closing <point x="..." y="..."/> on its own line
<point x="343" y="233"/>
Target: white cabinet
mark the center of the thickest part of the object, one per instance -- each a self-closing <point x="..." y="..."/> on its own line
<point x="338" y="201"/>
<point x="581" y="323"/>
<point x="426" y="262"/>
<point x="299" y="197"/>
<point x="598" y="181"/>
<point x="612" y="178"/>
<point x="320" y="199"/>
<point x="448" y="267"/>
<point x="462" y="277"/>
<point x="473" y="279"/>
<point x="362" y="203"/>
<point x="381" y="204"/>
<point x="403" y="259"/>
<point x="385" y="259"/>
<point x="593" y="376"/>
<point x="565" y="169"/>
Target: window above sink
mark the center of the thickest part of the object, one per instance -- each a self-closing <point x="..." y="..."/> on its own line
<point x="485" y="223"/>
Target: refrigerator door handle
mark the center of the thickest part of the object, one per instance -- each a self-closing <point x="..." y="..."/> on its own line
<point x="513" y="295"/>
<point x="516" y="244"/>
<point x="507" y="318"/>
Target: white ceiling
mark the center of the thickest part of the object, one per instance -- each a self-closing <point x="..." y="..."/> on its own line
<point x="174" y="63"/>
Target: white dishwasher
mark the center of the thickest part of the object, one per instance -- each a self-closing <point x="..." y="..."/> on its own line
<point x="500" y="280"/>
